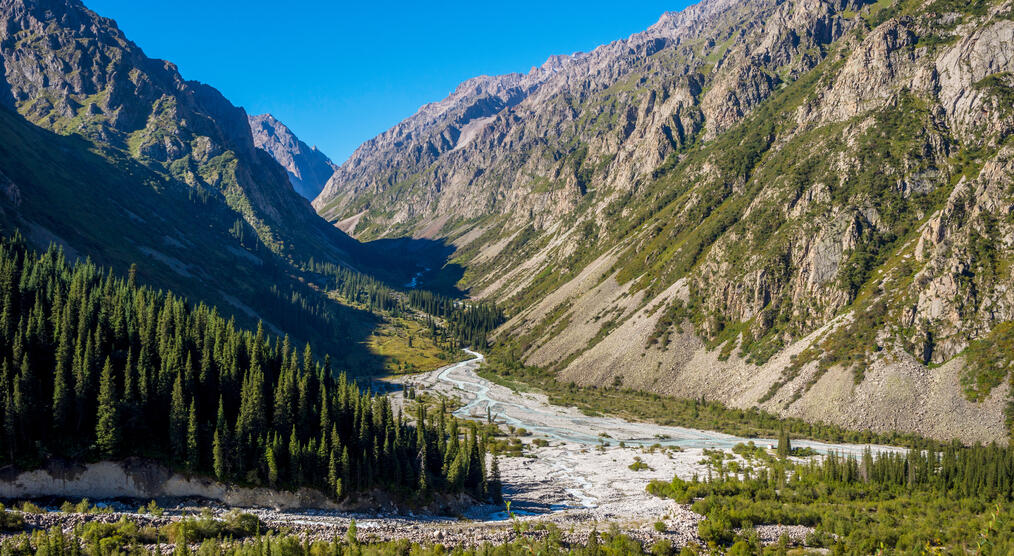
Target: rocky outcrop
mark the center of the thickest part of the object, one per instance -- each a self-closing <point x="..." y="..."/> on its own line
<point x="538" y="143"/>
<point x="308" y="168"/>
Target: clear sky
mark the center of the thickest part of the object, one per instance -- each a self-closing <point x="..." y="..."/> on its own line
<point x="339" y="73"/>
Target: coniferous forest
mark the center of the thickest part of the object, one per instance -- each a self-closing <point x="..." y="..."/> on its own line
<point x="467" y="324"/>
<point x="96" y="366"/>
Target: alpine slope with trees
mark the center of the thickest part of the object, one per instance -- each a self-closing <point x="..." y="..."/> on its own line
<point x="948" y="500"/>
<point x="95" y="366"/>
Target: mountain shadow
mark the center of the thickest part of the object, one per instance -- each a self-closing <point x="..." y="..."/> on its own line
<point x="409" y="263"/>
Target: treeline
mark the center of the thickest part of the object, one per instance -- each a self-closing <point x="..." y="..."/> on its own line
<point x="465" y="323"/>
<point x="955" y="499"/>
<point x="94" y="366"/>
<point x="469" y="322"/>
<point x="985" y="472"/>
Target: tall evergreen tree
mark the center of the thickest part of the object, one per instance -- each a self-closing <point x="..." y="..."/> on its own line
<point x="193" y="446"/>
<point x="107" y="429"/>
<point x="178" y="418"/>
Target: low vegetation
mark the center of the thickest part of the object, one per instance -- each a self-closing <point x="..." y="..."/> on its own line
<point x="955" y="500"/>
<point x="240" y="534"/>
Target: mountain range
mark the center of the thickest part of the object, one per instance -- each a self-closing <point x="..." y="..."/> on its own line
<point x="114" y="156"/>
<point x="805" y="206"/>
<point x="800" y="205"/>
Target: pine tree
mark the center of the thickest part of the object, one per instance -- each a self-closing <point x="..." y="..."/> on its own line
<point x="494" y="484"/>
<point x="295" y="455"/>
<point x="272" y="464"/>
<point x="784" y="449"/>
<point x="218" y="455"/>
<point x="333" y="478"/>
<point x="220" y="447"/>
<point x="178" y="420"/>
<point x="107" y="430"/>
<point x="251" y="405"/>
<point x="193" y="446"/>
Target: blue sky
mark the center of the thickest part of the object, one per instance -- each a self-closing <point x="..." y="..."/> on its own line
<point x="339" y="73"/>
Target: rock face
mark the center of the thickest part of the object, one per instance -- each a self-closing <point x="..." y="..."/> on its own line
<point x="611" y="115"/>
<point x="804" y="205"/>
<point x="308" y="168"/>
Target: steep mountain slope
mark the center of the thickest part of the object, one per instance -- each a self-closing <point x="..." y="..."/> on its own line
<point x="803" y="205"/>
<point x="115" y="156"/>
<point x="308" y="168"/>
<point x="71" y="71"/>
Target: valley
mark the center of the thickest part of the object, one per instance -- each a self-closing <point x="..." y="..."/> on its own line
<point x="738" y="283"/>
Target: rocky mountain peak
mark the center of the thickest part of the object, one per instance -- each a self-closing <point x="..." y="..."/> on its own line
<point x="72" y="72"/>
<point x="308" y="168"/>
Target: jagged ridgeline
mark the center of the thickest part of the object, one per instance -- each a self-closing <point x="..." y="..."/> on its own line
<point x="95" y="366"/>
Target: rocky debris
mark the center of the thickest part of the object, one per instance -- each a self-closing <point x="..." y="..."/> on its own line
<point x="770" y="534"/>
<point x="378" y="527"/>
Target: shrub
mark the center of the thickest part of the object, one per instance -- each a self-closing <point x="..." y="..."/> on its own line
<point x="30" y="508"/>
<point x="716" y="528"/>
<point x="10" y="521"/>
<point x="234" y="524"/>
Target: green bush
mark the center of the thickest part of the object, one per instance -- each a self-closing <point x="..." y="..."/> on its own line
<point x="9" y="521"/>
<point x="716" y="528"/>
<point x="234" y="524"/>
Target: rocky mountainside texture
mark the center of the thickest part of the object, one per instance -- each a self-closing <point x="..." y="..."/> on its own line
<point x="803" y="205"/>
<point x="308" y="168"/>
<point x="115" y="156"/>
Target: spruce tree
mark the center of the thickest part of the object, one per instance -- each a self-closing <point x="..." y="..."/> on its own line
<point x="220" y="445"/>
<point x="494" y="485"/>
<point x="178" y="419"/>
<point x="107" y="429"/>
<point x="218" y="455"/>
<point x="784" y="448"/>
<point x="193" y="446"/>
<point x="272" y="464"/>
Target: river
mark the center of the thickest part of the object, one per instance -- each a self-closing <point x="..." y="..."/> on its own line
<point x="565" y="424"/>
<point x="584" y="472"/>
